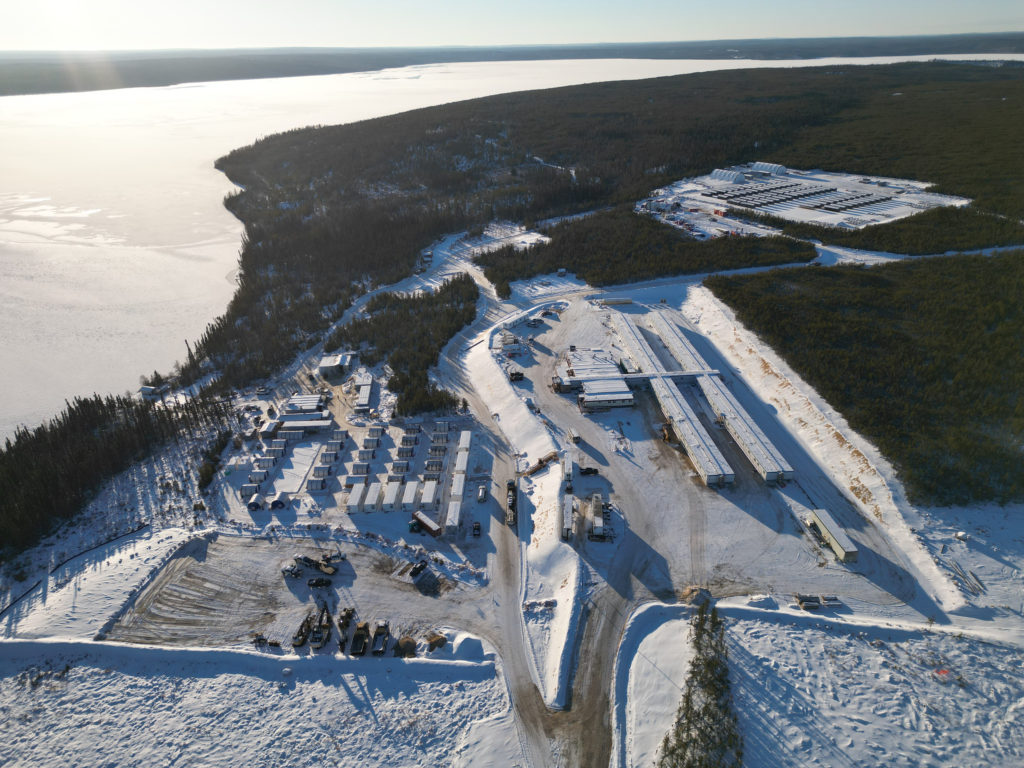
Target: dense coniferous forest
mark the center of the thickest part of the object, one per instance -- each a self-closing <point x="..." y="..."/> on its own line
<point x="618" y="246"/>
<point x="329" y="211"/>
<point x="931" y="232"/>
<point x="923" y="357"/>
<point x="49" y="473"/>
<point x="706" y="733"/>
<point x="409" y="333"/>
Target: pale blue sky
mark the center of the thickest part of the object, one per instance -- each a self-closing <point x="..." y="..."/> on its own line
<point x="132" y="24"/>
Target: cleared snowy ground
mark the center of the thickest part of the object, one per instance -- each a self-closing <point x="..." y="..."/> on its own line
<point x="810" y="691"/>
<point x="102" y="705"/>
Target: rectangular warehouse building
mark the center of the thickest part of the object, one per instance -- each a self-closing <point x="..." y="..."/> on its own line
<point x="770" y="464"/>
<point x="833" y="533"/>
<point x="698" y="444"/>
<point x="704" y="454"/>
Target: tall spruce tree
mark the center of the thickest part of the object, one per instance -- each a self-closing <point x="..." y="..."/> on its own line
<point x="706" y="733"/>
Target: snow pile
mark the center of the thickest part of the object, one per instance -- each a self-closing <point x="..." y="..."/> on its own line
<point x="522" y="429"/>
<point x="551" y="587"/>
<point x="67" y="703"/>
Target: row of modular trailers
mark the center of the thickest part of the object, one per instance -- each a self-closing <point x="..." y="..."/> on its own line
<point x="707" y="459"/>
<point x="712" y="467"/>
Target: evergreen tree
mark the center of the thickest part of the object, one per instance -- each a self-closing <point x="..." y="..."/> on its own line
<point x="706" y="733"/>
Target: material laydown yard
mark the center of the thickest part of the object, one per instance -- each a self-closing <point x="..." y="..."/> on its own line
<point x="225" y="590"/>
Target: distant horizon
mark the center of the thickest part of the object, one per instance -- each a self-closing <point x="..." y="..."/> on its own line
<point x="503" y="46"/>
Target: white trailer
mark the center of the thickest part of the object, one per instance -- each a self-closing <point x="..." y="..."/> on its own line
<point x="391" y="497"/>
<point x="429" y="498"/>
<point x="371" y="502"/>
<point x="409" y="499"/>
<point x="426" y="523"/>
<point x="568" y="505"/>
<point x="465" y="438"/>
<point x="462" y="463"/>
<point x="596" y="517"/>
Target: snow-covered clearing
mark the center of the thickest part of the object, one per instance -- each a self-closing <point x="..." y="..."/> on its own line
<point x="810" y="690"/>
<point x="76" y="599"/>
<point x="101" y="704"/>
<point x="650" y="671"/>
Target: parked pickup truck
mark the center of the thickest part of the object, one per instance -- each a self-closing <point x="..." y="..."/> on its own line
<point x="360" y="638"/>
<point x="381" y="633"/>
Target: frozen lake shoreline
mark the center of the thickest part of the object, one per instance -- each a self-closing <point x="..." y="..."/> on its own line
<point x="115" y="247"/>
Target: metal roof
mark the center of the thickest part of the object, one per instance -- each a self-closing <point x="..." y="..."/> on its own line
<point x="765" y="457"/>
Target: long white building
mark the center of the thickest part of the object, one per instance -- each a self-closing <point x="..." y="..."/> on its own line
<point x="698" y="444"/>
<point x="769" y="462"/>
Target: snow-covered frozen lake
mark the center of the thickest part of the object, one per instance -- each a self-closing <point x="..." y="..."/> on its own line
<point x="114" y="245"/>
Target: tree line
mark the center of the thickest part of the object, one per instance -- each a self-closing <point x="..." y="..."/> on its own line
<point x="922" y="357"/>
<point x="706" y="733"/>
<point x="409" y="333"/>
<point x="620" y="246"/>
<point x="48" y="474"/>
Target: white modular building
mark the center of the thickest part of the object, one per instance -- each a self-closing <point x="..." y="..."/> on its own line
<point x="704" y="454"/>
<point x="409" y="498"/>
<point x="371" y="502"/>
<point x="391" y="496"/>
<point x="465" y="438"/>
<point x="355" y="498"/>
<point x="458" y="487"/>
<point x="462" y="463"/>
<point x="452" y="521"/>
<point x="833" y="533"/>
<point x="429" y="499"/>
<point x="686" y="355"/>
<point x="769" y="462"/>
